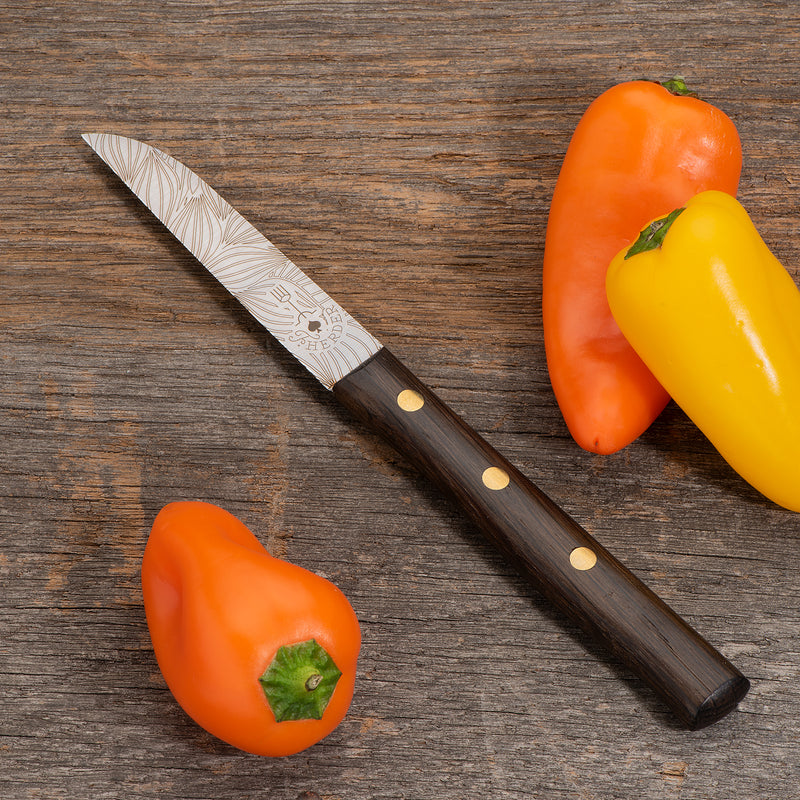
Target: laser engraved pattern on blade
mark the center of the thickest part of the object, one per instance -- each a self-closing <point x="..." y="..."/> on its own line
<point x="300" y="315"/>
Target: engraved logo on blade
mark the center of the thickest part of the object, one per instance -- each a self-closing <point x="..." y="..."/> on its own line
<point x="297" y="312"/>
<point x="312" y="326"/>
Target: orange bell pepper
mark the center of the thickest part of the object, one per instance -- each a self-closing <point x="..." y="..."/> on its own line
<point x="259" y="652"/>
<point x="640" y="150"/>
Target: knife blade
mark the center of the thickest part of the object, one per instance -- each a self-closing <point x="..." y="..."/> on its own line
<point x="561" y="559"/>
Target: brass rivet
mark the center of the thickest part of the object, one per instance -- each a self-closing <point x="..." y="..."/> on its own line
<point x="409" y="400"/>
<point x="495" y="478"/>
<point x="582" y="558"/>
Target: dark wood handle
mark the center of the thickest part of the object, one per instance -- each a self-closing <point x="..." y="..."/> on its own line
<point x="561" y="559"/>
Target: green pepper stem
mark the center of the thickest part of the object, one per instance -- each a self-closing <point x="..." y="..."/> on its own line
<point x="677" y="85"/>
<point x="299" y="682"/>
<point x="653" y="235"/>
<point x="313" y="682"/>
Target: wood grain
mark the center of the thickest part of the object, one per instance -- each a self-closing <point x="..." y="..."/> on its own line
<point x="404" y="155"/>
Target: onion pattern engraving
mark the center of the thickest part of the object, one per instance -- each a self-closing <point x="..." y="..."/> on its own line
<point x="297" y="312"/>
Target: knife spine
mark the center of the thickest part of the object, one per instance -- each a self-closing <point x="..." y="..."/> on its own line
<point x="568" y="566"/>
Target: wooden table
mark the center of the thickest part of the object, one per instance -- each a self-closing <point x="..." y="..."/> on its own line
<point x="404" y="155"/>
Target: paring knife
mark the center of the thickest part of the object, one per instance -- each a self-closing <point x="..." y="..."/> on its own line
<point x="559" y="557"/>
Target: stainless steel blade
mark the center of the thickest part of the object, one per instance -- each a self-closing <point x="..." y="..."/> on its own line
<point x="298" y="313"/>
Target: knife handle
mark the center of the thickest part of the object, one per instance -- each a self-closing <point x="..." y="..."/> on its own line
<point x="570" y="568"/>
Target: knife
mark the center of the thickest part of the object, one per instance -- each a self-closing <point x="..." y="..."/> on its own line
<point x="570" y="568"/>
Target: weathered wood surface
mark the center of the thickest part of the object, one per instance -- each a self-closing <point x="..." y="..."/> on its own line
<point x="404" y="154"/>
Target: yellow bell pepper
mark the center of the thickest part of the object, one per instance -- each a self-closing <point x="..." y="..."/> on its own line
<point x="716" y="318"/>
